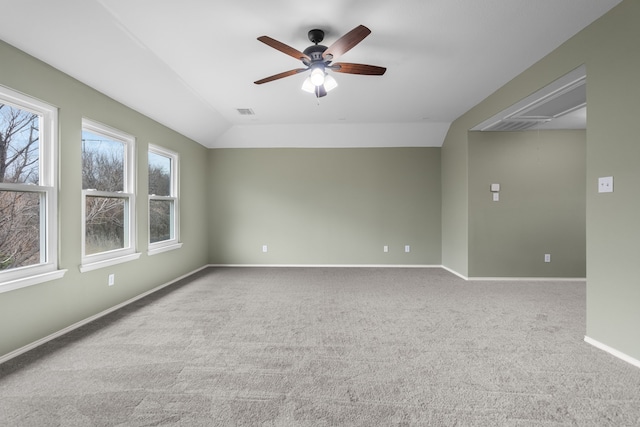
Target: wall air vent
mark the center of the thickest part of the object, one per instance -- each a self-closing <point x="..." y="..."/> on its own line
<point x="245" y="111"/>
<point x="566" y="95"/>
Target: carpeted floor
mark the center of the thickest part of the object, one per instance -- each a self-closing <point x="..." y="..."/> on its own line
<point x="328" y="347"/>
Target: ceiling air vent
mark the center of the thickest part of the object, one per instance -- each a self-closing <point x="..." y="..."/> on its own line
<point x="246" y="112"/>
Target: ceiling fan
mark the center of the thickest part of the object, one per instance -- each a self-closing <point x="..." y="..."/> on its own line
<point x="318" y="59"/>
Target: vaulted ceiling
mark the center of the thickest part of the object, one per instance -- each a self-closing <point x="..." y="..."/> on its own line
<point x="191" y="64"/>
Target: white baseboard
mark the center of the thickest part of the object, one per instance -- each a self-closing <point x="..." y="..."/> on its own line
<point x="528" y="279"/>
<point x="511" y="279"/>
<point x="516" y="279"/>
<point x="83" y="322"/>
<point x="328" y="265"/>
<point x="454" y="272"/>
<point x="612" y="351"/>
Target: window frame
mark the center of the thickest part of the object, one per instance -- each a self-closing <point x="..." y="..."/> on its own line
<point x="47" y="188"/>
<point x="128" y="194"/>
<point x="173" y="243"/>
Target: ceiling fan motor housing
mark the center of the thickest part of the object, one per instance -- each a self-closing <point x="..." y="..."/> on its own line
<point x="315" y="52"/>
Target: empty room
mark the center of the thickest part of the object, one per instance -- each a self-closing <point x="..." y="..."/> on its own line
<point x="350" y="214"/>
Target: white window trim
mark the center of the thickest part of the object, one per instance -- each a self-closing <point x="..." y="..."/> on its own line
<point x="113" y="259"/>
<point x="171" y="244"/>
<point x="33" y="279"/>
<point x="128" y="253"/>
<point x="163" y="248"/>
<point x="48" y="161"/>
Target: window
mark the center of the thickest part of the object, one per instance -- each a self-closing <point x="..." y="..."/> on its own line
<point x="163" y="200"/>
<point x="108" y="199"/>
<point x="28" y="191"/>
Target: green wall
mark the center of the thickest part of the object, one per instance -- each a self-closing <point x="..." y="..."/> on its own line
<point x="455" y="203"/>
<point x="613" y="149"/>
<point x="325" y="206"/>
<point x="609" y="49"/>
<point x="541" y="208"/>
<point x="29" y="314"/>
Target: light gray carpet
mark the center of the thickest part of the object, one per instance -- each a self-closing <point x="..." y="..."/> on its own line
<point x="328" y="347"/>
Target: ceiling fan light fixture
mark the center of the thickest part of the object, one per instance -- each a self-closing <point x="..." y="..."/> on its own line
<point x="330" y="83"/>
<point x="317" y="76"/>
<point x="307" y="86"/>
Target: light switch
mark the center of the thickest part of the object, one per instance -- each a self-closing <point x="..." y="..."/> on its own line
<point x="605" y="184"/>
<point x="496" y="197"/>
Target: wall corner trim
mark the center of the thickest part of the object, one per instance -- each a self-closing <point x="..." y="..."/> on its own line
<point x="612" y="351"/>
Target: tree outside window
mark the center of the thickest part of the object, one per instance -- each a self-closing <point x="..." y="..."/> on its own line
<point x="107" y="189"/>
<point x="103" y="172"/>
<point x="19" y="210"/>
<point x="163" y="199"/>
<point x="28" y="195"/>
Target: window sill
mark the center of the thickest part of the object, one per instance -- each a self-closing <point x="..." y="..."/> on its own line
<point x="108" y="262"/>
<point x="164" y="248"/>
<point x="31" y="280"/>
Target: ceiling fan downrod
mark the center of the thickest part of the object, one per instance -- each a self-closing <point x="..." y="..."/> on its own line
<point x="315" y="52"/>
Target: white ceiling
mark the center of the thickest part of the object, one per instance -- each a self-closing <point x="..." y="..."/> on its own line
<point x="190" y="64"/>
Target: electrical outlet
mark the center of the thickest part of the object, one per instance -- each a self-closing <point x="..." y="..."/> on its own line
<point x="112" y="279"/>
<point x="264" y="248"/>
<point x="605" y="184"/>
<point x="407" y="248"/>
<point x="385" y="248"/>
<point x="547" y="257"/>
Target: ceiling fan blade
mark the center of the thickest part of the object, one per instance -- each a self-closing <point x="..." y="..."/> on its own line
<point x="280" y="75"/>
<point x="283" y="48"/>
<point x="368" y="70"/>
<point x="346" y="42"/>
